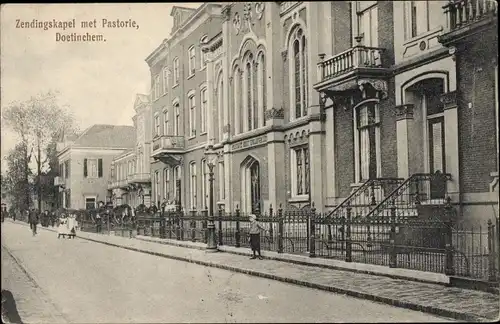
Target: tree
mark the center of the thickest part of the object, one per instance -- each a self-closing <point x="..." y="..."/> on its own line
<point x="38" y="121"/>
<point x="14" y="181"/>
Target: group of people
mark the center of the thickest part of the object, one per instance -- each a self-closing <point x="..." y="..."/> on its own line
<point x="67" y="226"/>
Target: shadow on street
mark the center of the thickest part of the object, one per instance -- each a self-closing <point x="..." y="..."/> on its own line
<point x="9" y="309"/>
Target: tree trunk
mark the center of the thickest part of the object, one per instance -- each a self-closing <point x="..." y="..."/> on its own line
<point x="26" y="178"/>
<point x="39" y="169"/>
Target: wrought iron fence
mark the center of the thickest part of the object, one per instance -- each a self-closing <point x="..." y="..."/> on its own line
<point x="390" y="238"/>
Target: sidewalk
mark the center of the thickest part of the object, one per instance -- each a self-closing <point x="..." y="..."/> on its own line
<point x="437" y="299"/>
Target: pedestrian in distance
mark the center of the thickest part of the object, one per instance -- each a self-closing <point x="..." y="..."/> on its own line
<point x="33" y="219"/>
<point x="255" y="229"/>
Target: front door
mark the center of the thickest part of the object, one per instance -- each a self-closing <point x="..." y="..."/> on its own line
<point x="437" y="157"/>
<point x="255" y="188"/>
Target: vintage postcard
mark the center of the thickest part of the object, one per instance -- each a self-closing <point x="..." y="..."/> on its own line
<point x="250" y="162"/>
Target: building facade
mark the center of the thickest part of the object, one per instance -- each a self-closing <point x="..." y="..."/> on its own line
<point x="308" y="101"/>
<point x="85" y="164"/>
<point x="179" y="108"/>
<point x="130" y="181"/>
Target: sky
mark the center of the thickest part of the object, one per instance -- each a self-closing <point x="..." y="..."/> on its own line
<point x="98" y="80"/>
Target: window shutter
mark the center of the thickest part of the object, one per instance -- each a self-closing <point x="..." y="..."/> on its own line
<point x="84" y="168"/>
<point x="99" y="168"/>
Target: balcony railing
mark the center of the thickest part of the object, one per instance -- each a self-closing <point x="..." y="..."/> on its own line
<point x="59" y="181"/>
<point x="353" y="58"/>
<point x="141" y="177"/>
<point x="461" y="13"/>
<point x="168" y="142"/>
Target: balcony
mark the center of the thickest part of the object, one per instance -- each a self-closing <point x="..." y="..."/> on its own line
<point x="344" y="73"/>
<point x="140" y="178"/>
<point x="468" y="17"/>
<point x="114" y="184"/>
<point x="168" y="148"/>
<point x="59" y="182"/>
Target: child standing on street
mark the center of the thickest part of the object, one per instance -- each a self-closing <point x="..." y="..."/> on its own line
<point x="255" y="229"/>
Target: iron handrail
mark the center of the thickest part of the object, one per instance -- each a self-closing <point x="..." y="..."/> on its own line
<point x="381" y="206"/>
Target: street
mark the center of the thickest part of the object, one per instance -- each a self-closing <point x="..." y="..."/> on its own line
<point x="79" y="281"/>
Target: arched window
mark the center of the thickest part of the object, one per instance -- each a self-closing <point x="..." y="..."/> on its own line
<point x="261" y="91"/>
<point x="177" y="183"/>
<point x="165" y="81"/>
<point x="176" y="71"/>
<point x="177" y="119"/>
<point x="237" y="100"/>
<point x="192" y="60"/>
<point x="220" y="107"/>
<point x="165" y="121"/>
<point x="204" y="184"/>
<point x="203" y="55"/>
<point x="249" y="101"/>
<point x="203" y="111"/>
<point x="192" y="114"/>
<point x="298" y="74"/>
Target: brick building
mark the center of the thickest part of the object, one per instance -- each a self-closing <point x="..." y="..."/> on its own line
<point x="323" y="101"/>
<point x="85" y="164"/>
<point x="130" y="181"/>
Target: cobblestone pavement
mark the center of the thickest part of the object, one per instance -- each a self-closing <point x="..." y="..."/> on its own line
<point x="95" y="283"/>
<point x="31" y="303"/>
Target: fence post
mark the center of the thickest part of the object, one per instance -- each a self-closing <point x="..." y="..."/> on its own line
<point x="449" y="266"/>
<point x="178" y="226"/>
<point x="220" y="226"/>
<point x="280" y="230"/>
<point x="181" y="224"/>
<point x="492" y="254"/>
<point x="238" y="234"/>
<point x="393" y="255"/>
<point x="271" y="219"/>
<point x="193" y="226"/>
<point x="348" y="247"/>
<point x="204" y="223"/>
<point x="312" y="220"/>
<point x="162" y="226"/>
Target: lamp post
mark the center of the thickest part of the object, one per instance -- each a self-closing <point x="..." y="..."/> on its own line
<point x="211" y="242"/>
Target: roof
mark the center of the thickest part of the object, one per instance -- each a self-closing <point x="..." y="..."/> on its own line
<point x="112" y="136"/>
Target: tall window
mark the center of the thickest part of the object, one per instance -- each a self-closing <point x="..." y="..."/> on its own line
<point x="92" y="168"/>
<point x="368" y="22"/>
<point x="66" y="169"/>
<point x="165" y="121"/>
<point x="192" y="60"/>
<point x="165" y="80"/>
<point x="157" y="125"/>
<point x="177" y="179"/>
<point x="300" y="171"/>
<point x="157" y="87"/>
<point x="238" y="124"/>
<point x="368" y="122"/>
<point x="166" y="183"/>
<point x="176" y="71"/>
<point x="157" y="187"/>
<point x="422" y="16"/>
<point x="222" y="181"/>
<point x="203" y="112"/>
<point x="262" y="89"/>
<point x="192" y="185"/>
<point x="203" y="55"/>
<point x="249" y="97"/>
<point x="299" y="73"/>
<point x="177" y="120"/>
<point x="204" y="181"/>
<point x="192" y="115"/>
<point x="220" y="108"/>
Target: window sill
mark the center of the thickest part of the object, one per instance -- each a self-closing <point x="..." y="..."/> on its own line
<point x="175" y="85"/>
<point x="296" y="199"/>
<point x="203" y="133"/>
<point x="190" y="76"/>
<point x="191" y="137"/>
<point x="203" y="68"/>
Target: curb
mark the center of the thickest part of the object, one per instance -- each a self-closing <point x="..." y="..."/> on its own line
<point x="304" y="263"/>
<point x="353" y="293"/>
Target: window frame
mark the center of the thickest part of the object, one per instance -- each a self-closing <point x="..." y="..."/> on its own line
<point x="303" y="74"/>
<point x="203" y="110"/>
<point x="305" y="171"/>
<point x="166" y="183"/>
<point x="165" y="120"/>
<point x="191" y="61"/>
<point x="192" y="185"/>
<point x="157" y="87"/>
<point x="165" y="81"/>
<point x="177" y="119"/>
<point x="89" y="176"/>
<point x="192" y="114"/>
<point x="157" y="126"/>
<point x="176" y="71"/>
<point x="203" y="55"/>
